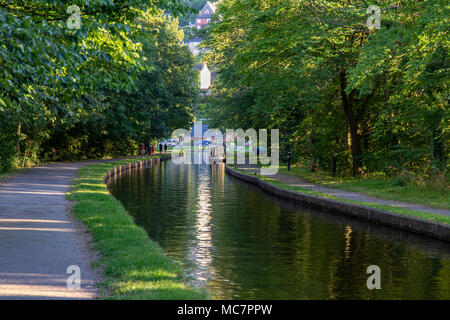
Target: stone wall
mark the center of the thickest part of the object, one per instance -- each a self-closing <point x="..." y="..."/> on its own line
<point x="433" y="229"/>
<point x="138" y="164"/>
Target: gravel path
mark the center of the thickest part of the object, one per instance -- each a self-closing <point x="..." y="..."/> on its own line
<point x="296" y="181"/>
<point x="39" y="239"/>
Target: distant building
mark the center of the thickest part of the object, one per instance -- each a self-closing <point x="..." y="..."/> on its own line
<point x="193" y="45"/>
<point x="204" y="16"/>
<point x="205" y="78"/>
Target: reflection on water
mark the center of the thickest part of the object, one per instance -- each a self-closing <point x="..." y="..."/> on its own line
<point x="202" y="247"/>
<point x="242" y="243"/>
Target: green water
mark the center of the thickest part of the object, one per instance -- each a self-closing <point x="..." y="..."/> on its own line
<point x="241" y="243"/>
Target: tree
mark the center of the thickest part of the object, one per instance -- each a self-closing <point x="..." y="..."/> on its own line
<point x="54" y="79"/>
<point x="334" y="86"/>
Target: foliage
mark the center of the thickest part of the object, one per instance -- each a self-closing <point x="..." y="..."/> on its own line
<point x="61" y="87"/>
<point x="376" y="99"/>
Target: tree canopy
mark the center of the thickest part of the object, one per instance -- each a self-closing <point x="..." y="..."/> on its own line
<point x="69" y="93"/>
<point x="376" y="99"/>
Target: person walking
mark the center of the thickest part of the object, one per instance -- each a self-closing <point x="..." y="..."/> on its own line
<point x="160" y="147"/>
<point x="153" y="149"/>
<point x="142" y="149"/>
<point x="165" y="147"/>
<point x="149" y="148"/>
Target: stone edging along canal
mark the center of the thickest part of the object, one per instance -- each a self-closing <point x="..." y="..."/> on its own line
<point x="132" y="165"/>
<point x="428" y="228"/>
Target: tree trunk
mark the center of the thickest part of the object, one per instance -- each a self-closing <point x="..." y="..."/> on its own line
<point x="354" y="121"/>
<point x="312" y="141"/>
<point x="19" y="129"/>
<point x="356" y="149"/>
<point x="313" y="166"/>
<point x="437" y="149"/>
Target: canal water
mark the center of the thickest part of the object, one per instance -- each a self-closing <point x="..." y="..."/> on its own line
<point x="242" y="243"/>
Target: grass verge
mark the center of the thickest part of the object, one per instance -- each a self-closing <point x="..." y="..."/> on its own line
<point x="385" y="188"/>
<point x="402" y="211"/>
<point x="134" y="266"/>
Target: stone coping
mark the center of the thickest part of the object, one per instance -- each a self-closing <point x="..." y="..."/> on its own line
<point x="137" y="164"/>
<point x="432" y="229"/>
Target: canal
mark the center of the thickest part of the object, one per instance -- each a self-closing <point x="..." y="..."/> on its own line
<point x="242" y="243"/>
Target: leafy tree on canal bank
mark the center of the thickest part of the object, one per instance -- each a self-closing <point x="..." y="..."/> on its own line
<point x="376" y="99"/>
<point x="68" y="93"/>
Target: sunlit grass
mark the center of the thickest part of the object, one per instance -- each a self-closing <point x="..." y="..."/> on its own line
<point x="134" y="266"/>
<point x="385" y="188"/>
